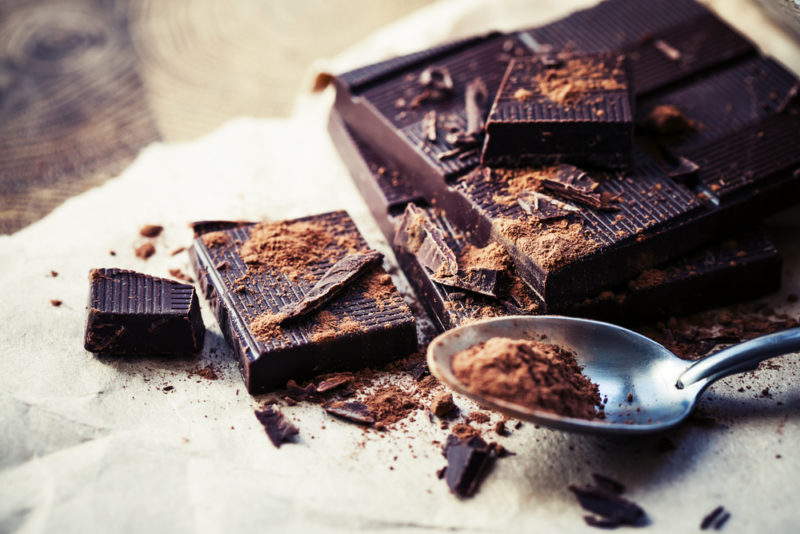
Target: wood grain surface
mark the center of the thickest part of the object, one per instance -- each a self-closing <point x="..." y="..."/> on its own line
<point x="86" y="84"/>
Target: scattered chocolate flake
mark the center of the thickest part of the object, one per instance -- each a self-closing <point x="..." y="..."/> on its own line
<point x="609" y="506"/>
<point x="629" y="398"/>
<point x="476" y="97"/>
<point x="500" y="428"/>
<point x="112" y="253"/>
<point x="177" y="251"/>
<point x="151" y="230"/>
<point x="337" y="278"/>
<point x="53" y="273"/>
<point x="711" y="517"/>
<point x="418" y="370"/>
<point x="608" y="484"/>
<point x="180" y="275"/>
<point x="722" y="520"/>
<point x="544" y="207"/>
<point x="422" y="238"/>
<point x="279" y="430"/>
<point x="443" y="405"/>
<point x="208" y="372"/>
<point x="468" y="462"/>
<point x="145" y="250"/>
<point x="436" y="78"/>
<point x="297" y="393"/>
<point x="683" y="169"/>
<point x="55" y="302"/>
<point x="334" y="382"/>
<point x="354" y="411"/>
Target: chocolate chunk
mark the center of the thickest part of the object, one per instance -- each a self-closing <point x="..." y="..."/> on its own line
<point x="279" y="430"/>
<point x="151" y="230"/>
<point x="145" y="250"/>
<point x="354" y="411"/>
<point x="608" y="505"/>
<point x="271" y="266"/>
<point x="131" y="312"/>
<point x="416" y="234"/>
<point x="468" y="462"/>
<point x="443" y="405"/>
<point x="579" y="110"/>
<point x="335" y="279"/>
<point x="702" y="279"/>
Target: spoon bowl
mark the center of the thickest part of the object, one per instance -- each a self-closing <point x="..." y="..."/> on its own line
<point x="624" y="364"/>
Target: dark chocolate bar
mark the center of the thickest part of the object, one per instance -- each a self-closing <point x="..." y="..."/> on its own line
<point x="252" y="274"/>
<point x="667" y="41"/>
<point x="135" y="313"/>
<point x="738" y="268"/>
<point x="575" y="108"/>
<point x="659" y="212"/>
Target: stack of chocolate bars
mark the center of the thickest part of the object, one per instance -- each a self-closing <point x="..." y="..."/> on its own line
<point x="612" y="164"/>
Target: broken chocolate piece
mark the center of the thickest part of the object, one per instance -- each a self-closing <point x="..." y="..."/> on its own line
<point x="131" y="312"/>
<point x="443" y="405"/>
<point x="279" y="430"/>
<point x="334" y="382"/>
<point x="151" y="230"/>
<point x="544" y="207"/>
<point x="416" y="234"/>
<point x="335" y="279"/>
<point x="608" y="505"/>
<point x="354" y="411"/>
<point x="468" y="462"/>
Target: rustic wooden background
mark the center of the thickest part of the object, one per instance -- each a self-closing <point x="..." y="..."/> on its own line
<point x="86" y="84"/>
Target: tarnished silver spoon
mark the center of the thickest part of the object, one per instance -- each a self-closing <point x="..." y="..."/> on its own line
<point x="663" y="387"/>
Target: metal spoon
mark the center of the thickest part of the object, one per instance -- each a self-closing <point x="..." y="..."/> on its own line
<point x="663" y="387"/>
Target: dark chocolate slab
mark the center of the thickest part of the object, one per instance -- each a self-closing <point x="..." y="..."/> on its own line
<point x="667" y="41"/>
<point x="356" y="328"/>
<point x="575" y="108"/>
<point x="738" y="268"/>
<point x="131" y="312"/>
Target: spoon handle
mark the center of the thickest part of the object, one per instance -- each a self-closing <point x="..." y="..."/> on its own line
<point x="741" y="357"/>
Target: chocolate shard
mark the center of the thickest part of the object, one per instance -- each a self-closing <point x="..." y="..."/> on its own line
<point x="683" y="169"/>
<point x="335" y="279"/>
<point x="131" y="312"/>
<point x="334" y="382"/>
<point x="468" y="463"/>
<point x="416" y="234"/>
<point x="604" y="503"/>
<point x="299" y="393"/>
<point x="573" y="184"/>
<point x="476" y="97"/>
<point x="711" y="517"/>
<point x="478" y="280"/>
<point x="544" y="207"/>
<point x="279" y="430"/>
<point x="354" y="411"/>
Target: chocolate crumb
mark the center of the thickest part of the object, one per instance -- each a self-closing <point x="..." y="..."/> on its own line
<point x="55" y="302"/>
<point x="145" y="250"/>
<point x="443" y="405"/>
<point x="177" y="251"/>
<point x="151" y="230"/>
<point x="208" y="372"/>
<point x="500" y="428"/>
<point x="279" y="430"/>
<point x="707" y="520"/>
<point x="112" y="253"/>
<point x="629" y="397"/>
<point x="53" y="273"/>
<point x="356" y="412"/>
<point x="180" y="275"/>
<point x="608" y="505"/>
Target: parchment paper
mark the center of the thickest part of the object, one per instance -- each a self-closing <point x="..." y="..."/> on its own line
<point x="95" y="444"/>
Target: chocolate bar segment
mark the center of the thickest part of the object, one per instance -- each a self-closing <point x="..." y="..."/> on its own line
<point x="135" y="313"/>
<point x="252" y="274"/>
<point x="575" y="108"/>
<point x="739" y="268"/>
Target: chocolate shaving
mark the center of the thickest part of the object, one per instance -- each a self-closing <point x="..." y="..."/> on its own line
<point x="468" y="462"/>
<point x="667" y="49"/>
<point x="684" y="168"/>
<point x="436" y="78"/>
<point x="476" y="97"/>
<point x="480" y="280"/>
<point x="429" y="125"/>
<point x="544" y="207"/>
<point x="711" y="517"/>
<point x="334" y="382"/>
<point x="419" y="236"/>
<point x="354" y="411"/>
<point x="279" y="430"/>
<point x="571" y="183"/>
<point x="335" y="279"/>
<point x="608" y="505"/>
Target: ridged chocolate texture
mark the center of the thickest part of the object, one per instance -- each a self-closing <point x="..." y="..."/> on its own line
<point x="389" y="101"/>
<point x="528" y="124"/>
<point x="738" y="268"/>
<point x="667" y="41"/>
<point x="239" y="295"/>
<point x="131" y="312"/>
<point x="726" y="101"/>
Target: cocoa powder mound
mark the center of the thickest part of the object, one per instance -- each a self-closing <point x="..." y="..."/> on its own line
<point x="378" y="286"/>
<point x="550" y="246"/>
<point x="515" y="182"/>
<point x="292" y="246"/>
<point x="492" y="256"/>
<point x="215" y="239"/>
<point x="327" y="326"/>
<point x="529" y="373"/>
<point x="577" y="77"/>
<point x="267" y="326"/>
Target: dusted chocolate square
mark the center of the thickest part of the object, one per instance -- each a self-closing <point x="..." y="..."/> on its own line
<point x="131" y="312"/>
<point x="552" y="108"/>
<point x="256" y="276"/>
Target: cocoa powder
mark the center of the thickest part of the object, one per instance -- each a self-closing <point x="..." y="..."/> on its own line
<point x="529" y="373"/>
<point x="550" y="246"/>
